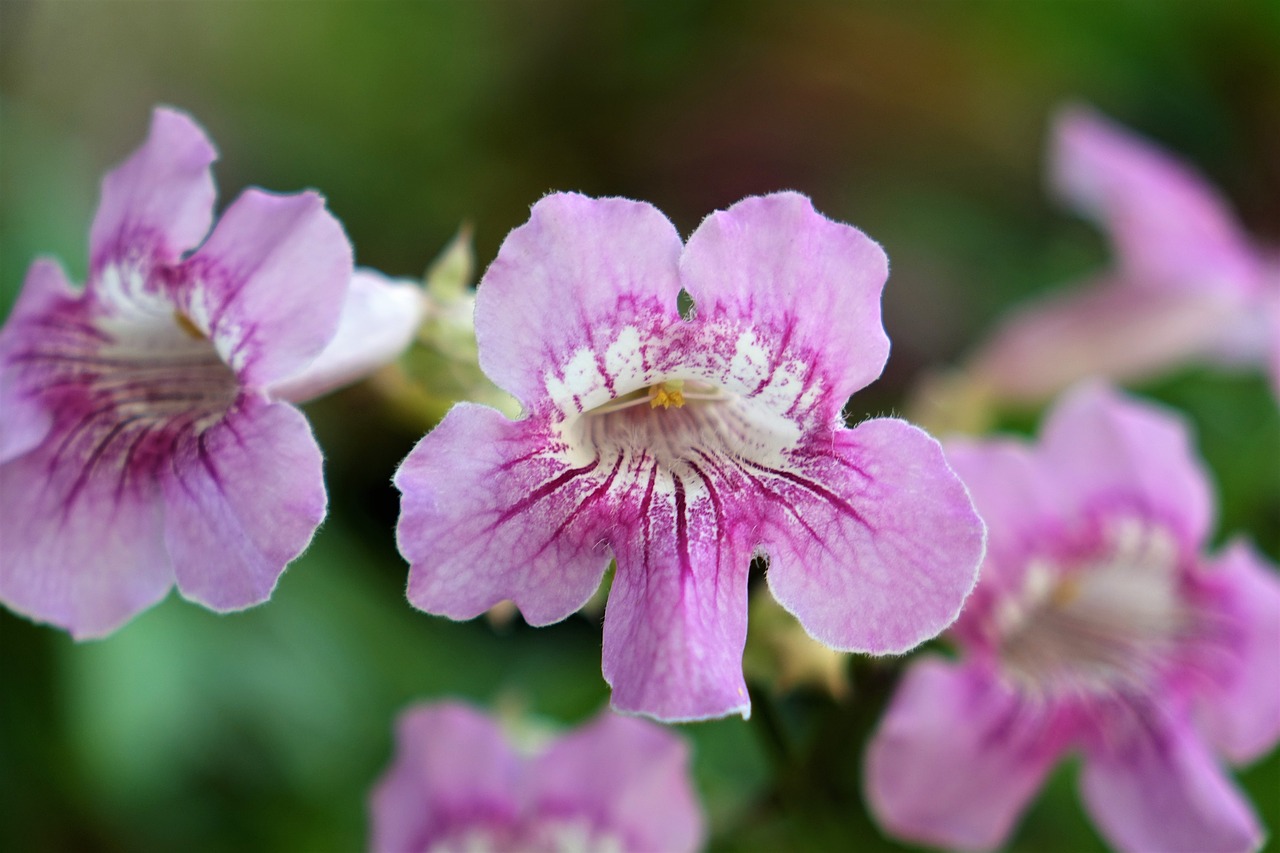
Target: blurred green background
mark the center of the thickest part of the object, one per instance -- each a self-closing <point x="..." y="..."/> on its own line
<point x="921" y="122"/>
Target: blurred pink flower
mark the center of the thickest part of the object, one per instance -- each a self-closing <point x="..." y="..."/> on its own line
<point x="1187" y="285"/>
<point x="456" y="784"/>
<point x="142" y="440"/>
<point x="1097" y="625"/>
<point x="682" y="447"/>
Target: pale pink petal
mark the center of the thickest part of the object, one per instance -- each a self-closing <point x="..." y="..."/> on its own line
<point x="811" y="285"/>
<point x="47" y="308"/>
<point x="161" y="198"/>
<point x="565" y="283"/>
<point x="872" y="540"/>
<point x="81" y="545"/>
<point x="1102" y="330"/>
<point x="1241" y="714"/>
<point x="1160" y="789"/>
<point x="379" y="320"/>
<point x="489" y="512"/>
<point x="676" y="622"/>
<point x="452" y="768"/>
<point x="269" y="286"/>
<point x="1171" y="229"/>
<point x="242" y="500"/>
<point x="630" y="776"/>
<point x="956" y="758"/>
<point x="1109" y="453"/>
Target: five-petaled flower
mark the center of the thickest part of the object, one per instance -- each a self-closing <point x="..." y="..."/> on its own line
<point x="1097" y="626"/>
<point x="143" y="437"/>
<point x="1188" y="285"/>
<point x="683" y="445"/>
<point x="615" y="784"/>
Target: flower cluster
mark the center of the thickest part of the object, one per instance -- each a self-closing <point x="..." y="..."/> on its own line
<point x="681" y="418"/>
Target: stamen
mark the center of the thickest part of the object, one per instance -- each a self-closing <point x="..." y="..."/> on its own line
<point x="185" y="324"/>
<point x="667" y="394"/>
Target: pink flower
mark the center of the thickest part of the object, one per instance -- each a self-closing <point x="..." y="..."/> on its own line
<point x="615" y="784"/>
<point x="1188" y="284"/>
<point x="142" y="437"/>
<point x="1097" y="626"/>
<point x="684" y="446"/>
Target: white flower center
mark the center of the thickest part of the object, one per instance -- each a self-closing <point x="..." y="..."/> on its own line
<point x="548" y="835"/>
<point x="1105" y="624"/>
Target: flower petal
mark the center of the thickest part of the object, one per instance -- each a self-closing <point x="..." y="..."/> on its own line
<point x="676" y="623"/>
<point x="242" y="500"/>
<point x="270" y="284"/>
<point x="1105" y="330"/>
<point x="956" y="758"/>
<point x="1170" y="227"/>
<point x="1104" y="448"/>
<point x="46" y="307"/>
<point x="640" y="793"/>
<point x="813" y="285"/>
<point x="1161" y="790"/>
<point x="1241" y="715"/>
<point x="489" y="513"/>
<point x="379" y="319"/>
<point x="564" y="284"/>
<point x="161" y="197"/>
<point x="872" y="541"/>
<point x="81" y="546"/>
<point x="452" y="766"/>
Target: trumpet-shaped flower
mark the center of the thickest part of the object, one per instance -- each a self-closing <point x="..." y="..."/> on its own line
<point x="682" y="445"/>
<point x="1099" y="627"/>
<point x="615" y="784"/>
<point x="143" y="439"/>
<point x="1188" y="284"/>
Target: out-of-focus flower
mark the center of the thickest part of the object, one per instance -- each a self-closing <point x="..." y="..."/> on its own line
<point x="1097" y="626"/>
<point x="682" y="446"/>
<point x="456" y="784"/>
<point x="1187" y="285"/>
<point x="142" y="440"/>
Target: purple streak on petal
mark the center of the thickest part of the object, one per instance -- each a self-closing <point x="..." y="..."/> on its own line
<point x="1240" y="712"/>
<point x="489" y="513"/>
<point x="1102" y="330"/>
<point x="379" y="320"/>
<point x="1101" y="447"/>
<point x="46" y="313"/>
<point x="630" y="776"/>
<point x="773" y="263"/>
<point x="676" y="622"/>
<point x="578" y="265"/>
<point x="1171" y="229"/>
<point x="1158" y="788"/>
<point x="269" y="285"/>
<point x="452" y="768"/>
<point x="957" y="757"/>
<point x="242" y="500"/>
<point x="80" y="547"/>
<point x="900" y="543"/>
<point x="162" y="194"/>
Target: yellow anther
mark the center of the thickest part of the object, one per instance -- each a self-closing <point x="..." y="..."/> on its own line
<point x="667" y="394"/>
<point x="185" y="324"/>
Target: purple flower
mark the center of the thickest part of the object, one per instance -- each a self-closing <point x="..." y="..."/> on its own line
<point x="1188" y="285"/>
<point x="614" y="784"/>
<point x="1099" y="627"/>
<point x="142" y="441"/>
<point x="683" y="446"/>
